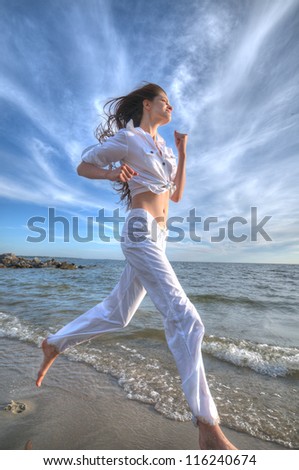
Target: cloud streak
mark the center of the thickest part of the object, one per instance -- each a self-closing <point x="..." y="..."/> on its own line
<point x="231" y="73"/>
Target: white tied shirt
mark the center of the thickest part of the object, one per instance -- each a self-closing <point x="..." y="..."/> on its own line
<point x="135" y="147"/>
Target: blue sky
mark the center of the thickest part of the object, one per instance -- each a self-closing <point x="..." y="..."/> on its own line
<point x="230" y="69"/>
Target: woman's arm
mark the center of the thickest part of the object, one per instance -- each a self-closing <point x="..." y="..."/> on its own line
<point x="96" y="157"/>
<point x="180" y="177"/>
<point x="122" y="173"/>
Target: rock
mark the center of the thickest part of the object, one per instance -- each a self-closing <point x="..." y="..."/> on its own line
<point x="10" y="260"/>
<point x="66" y="265"/>
<point x="50" y="263"/>
<point x="7" y="255"/>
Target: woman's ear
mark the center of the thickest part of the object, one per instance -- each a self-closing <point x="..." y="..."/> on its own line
<point x="147" y="105"/>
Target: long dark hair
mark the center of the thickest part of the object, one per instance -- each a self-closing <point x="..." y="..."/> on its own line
<point x="118" y="112"/>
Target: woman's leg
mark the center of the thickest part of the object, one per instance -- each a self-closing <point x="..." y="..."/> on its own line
<point x="183" y="326"/>
<point x="184" y="329"/>
<point x="113" y="313"/>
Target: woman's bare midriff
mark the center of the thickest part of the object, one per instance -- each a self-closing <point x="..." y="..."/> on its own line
<point x="155" y="204"/>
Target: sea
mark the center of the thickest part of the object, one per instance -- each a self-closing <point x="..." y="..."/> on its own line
<point x="251" y="344"/>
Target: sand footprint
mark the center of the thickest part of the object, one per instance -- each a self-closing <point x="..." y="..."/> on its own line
<point x="15" y="407"/>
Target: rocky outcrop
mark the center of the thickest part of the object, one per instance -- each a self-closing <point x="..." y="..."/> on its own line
<point x="10" y="260"/>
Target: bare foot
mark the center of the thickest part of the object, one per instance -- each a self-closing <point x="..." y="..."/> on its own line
<point x="212" y="438"/>
<point x="28" y="445"/>
<point x="50" y="354"/>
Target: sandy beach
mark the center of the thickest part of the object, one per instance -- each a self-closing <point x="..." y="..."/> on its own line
<point x="85" y="410"/>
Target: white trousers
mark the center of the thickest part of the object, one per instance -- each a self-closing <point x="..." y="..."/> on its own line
<point x="148" y="270"/>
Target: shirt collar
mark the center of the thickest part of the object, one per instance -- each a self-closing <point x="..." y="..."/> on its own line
<point x="130" y="126"/>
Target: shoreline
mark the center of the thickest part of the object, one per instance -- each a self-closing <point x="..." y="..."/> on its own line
<point x="80" y="408"/>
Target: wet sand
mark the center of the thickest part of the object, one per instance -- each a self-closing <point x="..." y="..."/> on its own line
<point x="80" y="408"/>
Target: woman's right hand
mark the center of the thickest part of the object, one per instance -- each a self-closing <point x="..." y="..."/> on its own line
<point x="122" y="173"/>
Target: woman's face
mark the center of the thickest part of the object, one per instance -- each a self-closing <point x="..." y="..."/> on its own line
<point x="159" y="109"/>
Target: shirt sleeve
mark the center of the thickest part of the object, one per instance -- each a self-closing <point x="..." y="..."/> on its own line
<point x="173" y="163"/>
<point x="112" y="150"/>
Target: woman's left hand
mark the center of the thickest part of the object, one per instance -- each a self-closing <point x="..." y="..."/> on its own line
<point x="180" y="142"/>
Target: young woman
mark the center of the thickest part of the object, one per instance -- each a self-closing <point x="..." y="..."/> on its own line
<point x="149" y="177"/>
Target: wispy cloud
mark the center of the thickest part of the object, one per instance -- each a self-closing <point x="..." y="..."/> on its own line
<point x="243" y="121"/>
<point x="231" y="72"/>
